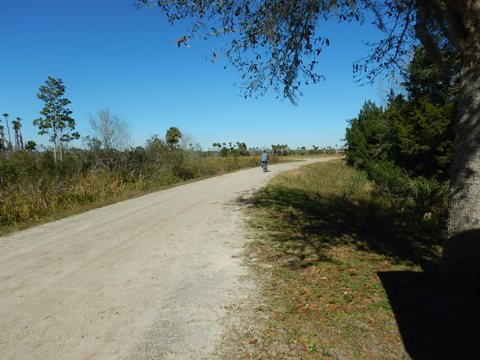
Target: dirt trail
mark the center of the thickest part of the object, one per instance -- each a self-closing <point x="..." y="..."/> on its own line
<point x="147" y="278"/>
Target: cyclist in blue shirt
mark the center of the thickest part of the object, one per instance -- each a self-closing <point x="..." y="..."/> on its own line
<point x="264" y="160"/>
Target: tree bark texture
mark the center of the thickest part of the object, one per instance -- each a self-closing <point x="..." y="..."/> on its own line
<point x="461" y="257"/>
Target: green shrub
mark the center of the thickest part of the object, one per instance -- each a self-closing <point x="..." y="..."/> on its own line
<point x="391" y="180"/>
<point x="430" y="196"/>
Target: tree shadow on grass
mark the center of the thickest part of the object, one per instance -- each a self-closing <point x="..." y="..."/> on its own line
<point x="311" y="223"/>
<point x="433" y="324"/>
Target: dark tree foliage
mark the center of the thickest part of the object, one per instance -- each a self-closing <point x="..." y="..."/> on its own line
<point x="365" y="138"/>
<point x="424" y="78"/>
<point x="415" y="131"/>
<point x="423" y="123"/>
<point x="422" y="136"/>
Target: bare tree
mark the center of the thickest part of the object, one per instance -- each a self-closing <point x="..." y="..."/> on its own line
<point x="110" y="130"/>
<point x="188" y="142"/>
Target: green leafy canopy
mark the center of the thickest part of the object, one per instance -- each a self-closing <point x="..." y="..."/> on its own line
<point x="56" y="118"/>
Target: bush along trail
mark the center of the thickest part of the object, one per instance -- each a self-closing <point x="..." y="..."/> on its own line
<point x="35" y="189"/>
<point x="346" y="273"/>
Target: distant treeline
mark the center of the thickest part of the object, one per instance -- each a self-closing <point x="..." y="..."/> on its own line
<point x="241" y="149"/>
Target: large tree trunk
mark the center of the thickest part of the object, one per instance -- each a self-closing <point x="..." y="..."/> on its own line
<point x="461" y="258"/>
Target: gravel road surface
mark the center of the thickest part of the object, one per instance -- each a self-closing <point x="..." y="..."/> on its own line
<point x="147" y="278"/>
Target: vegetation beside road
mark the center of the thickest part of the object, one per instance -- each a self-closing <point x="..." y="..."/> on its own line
<point x="35" y="188"/>
<point x="345" y="272"/>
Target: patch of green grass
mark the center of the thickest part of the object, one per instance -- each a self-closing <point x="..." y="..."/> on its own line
<point x="324" y="250"/>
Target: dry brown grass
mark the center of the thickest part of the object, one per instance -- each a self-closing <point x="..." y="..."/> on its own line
<point x="31" y="200"/>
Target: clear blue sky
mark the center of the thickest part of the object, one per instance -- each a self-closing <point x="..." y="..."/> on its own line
<point x="112" y="56"/>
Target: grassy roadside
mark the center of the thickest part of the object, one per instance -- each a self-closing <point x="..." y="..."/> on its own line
<point x="345" y="274"/>
<point x="33" y="199"/>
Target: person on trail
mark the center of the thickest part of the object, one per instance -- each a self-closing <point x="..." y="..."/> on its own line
<point x="264" y="159"/>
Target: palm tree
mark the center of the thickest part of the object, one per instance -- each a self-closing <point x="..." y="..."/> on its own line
<point x="9" y="144"/>
<point x="17" y="126"/>
<point x="217" y="146"/>
<point x="173" y="136"/>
